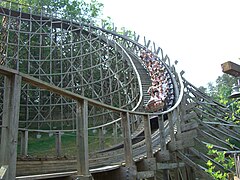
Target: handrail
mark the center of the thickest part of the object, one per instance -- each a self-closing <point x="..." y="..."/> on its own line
<point x="50" y="87"/>
<point x="55" y="89"/>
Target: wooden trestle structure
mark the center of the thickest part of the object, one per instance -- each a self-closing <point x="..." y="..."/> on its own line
<point x="66" y="77"/>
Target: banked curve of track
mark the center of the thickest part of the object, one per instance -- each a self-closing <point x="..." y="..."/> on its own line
<point x="122" y="42"/>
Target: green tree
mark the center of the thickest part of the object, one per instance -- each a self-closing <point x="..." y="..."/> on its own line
<point x="70" y="9"/>
<point x="203" y="89"/>
<point x="222" y="88"/>
<point x="220" y="157"/>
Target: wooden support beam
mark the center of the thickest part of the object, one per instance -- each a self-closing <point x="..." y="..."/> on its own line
<point x="24" y="142"/>
<point x="190" y="116"/>
<point x="161" y="133"/>
<point x="101" y="138"/>
<point x="185" y="136"/>
<point x="115" y="132"/>
<point x="145" y="174"/>
<point x="171" y="125"/>
<point x="129" y="171"/>
<point x="190" y="106"/>
<point x="231" y="68"/>
<point x="82" y="140"/>
<point x="58" y="143"/>
<point x="148" y="139"/>
<point x="189" y="126"/>
<point x="10" y="119"/>
<point x="127" y="139"/>
<point x="170" y="165"/>
<point x="163" y="156"/>
<point x="193" y="165"/>
<point x="181" y="144"/>
<point x="148" y="164"/>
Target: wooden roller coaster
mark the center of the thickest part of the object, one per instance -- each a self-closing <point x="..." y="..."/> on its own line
<point x="64" y="77"/>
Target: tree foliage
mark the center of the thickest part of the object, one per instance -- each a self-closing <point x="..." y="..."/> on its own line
<point x="69" y="9"/>
<point x="220" y="157"/>
<point x="221" y="90"/>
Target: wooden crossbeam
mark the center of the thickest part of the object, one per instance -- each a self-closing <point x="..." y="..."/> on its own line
<point x="170" y="165"/>
<point x="231" y="68"/>
<point x="145" y="174"/>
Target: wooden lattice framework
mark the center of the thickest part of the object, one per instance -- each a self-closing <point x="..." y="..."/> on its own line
<point x="60" y="75"/>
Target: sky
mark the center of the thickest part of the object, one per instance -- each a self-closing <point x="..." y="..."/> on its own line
<point x="200" y="34"/>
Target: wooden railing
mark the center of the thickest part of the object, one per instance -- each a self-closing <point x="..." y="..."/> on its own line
<point x="12" y="95"/>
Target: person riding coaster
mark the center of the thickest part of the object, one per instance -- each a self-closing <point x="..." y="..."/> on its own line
<point x="154" y="105"/>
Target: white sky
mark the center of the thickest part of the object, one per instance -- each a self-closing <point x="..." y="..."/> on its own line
<point x="200" y="34"/>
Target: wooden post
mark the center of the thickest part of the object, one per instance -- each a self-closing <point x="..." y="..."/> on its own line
<point x="163" y="145"/>
<point x="148" y="139"/>
<point x="24" y="143"/>
<point x="115" y="134"/>
<point x="178" y="120"/>
<point x="82" y="140"/>
<point x="127" y="139"/>
<point x="101" y="138"/>
<point x="148" y="142"/>
<point x="161" y="133"/>
<point x="182" y="113"/>
<point x="171" y="126"/>
<point x="58" y="143"/>
<point x="175" y="119"/>
<point x="9" y="137"/>
<point x="130" y="168"/>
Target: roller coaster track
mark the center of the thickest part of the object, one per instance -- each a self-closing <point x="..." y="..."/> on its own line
<point x="62" y="76"/>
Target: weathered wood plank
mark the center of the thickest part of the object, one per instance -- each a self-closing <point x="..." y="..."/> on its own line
<point x="24" y="142"/>
<point x="185" y="136"/>
<point x="127" y="139"/>
<point x="171" y="117"/>
<point x="148" y="164"/>
<point x="58" y="143"/>
<point x="82" y="138"/>
<point x="128" y="173"/>
<point x="9" y="136"/>
<point x="190" y="106"/>
<point x="145" y="174"/>
<point x="231" y="68"/>
<point x="161" y="166"/>
<point x="189" y="126"/>
<point x="163" y="156"/>
<point x="189" y="116"/>
<point x="148" y="139"/>
<point x="193" y="165"/>
<point x="161" y="133"/>
<point x="181" y="144"/>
